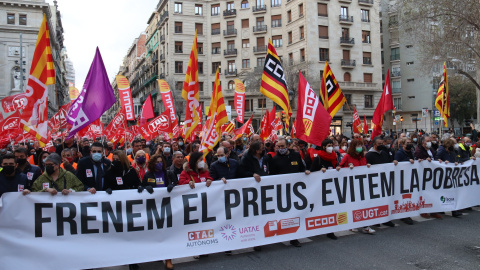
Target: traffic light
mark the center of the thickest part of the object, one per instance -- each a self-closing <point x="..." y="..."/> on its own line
<point x="401" y="118"/>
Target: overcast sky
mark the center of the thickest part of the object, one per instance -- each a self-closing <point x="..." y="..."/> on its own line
<point x="110" y="25"/>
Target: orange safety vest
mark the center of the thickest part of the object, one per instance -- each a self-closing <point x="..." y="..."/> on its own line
<point x="30" y="160"/>
<point x="110" y="157"/>
<point x="74" y="165"/>
<point x="131" y="160"/>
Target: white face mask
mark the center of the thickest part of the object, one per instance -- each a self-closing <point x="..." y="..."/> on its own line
<point x="456" y="146"/>
<point x="344" y="148"/>
<point x="201" y="164"/>
<point x="428" y="145"/>
<point x="336" y="148"/>
<point x="329" y="149"/>
<point x="388" y="146"/>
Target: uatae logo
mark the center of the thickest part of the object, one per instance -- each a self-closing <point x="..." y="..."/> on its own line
<point x="228" y="232"/>
<point x="11" y="123"/>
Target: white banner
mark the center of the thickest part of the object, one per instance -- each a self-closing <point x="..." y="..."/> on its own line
<point x="81" y="230"/>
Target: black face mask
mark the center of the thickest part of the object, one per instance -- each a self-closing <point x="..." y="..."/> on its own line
<point x="21" y="161"/>
<point x="49" y="169"/>
<point x="268" y="145"/>
<point x="117" y="165"/>
<point x="381" y="148"/>
<point x="409" y="147"/>
<point x="8" y="169"/>
<point x="450" y="148"/>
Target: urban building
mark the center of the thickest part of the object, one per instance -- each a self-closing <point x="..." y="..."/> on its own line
<point x="70" y="69"/>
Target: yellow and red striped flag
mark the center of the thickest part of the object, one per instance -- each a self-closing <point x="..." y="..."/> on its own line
<point x="190" y="91"/>
<point x="331" y="95"/>
<point x="42" y="73"/>
<point x="442" y="102"/>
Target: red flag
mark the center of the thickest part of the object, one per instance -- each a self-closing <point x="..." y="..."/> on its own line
<point x="293" y="133"/>
<point x="313" y="124"/>
<point x="167" y="100"/>
<point x="239" y="100"/>
<point x="365" y="126"/>
<point x="357" y="123"/>
<point x="160" y="124"/>
<point x="117" y="124"/>
<point x="11" y="126"/>
<point x="384" y="105"/>
<point x="244" y="129"/>
<point x="93" y="130"/>
<point x="265" y="126"/>
<point x="147" y="109"/>
<point x="125" y="95"/>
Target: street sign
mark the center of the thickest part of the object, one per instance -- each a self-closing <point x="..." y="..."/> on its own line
<point x="397" y="117"/>
<point x="436" y="123"/>
<point x="229" y="112"/>
<point x="436" y="113"/>
<point x="425" y="112"/>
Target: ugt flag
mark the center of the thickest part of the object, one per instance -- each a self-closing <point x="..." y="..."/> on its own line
<point x="96" y="97"/>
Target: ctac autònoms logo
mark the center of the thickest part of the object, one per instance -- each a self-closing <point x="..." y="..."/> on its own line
<point x="228" y="232"/>
<point x="370" y="213"/>
<point x="326" y="221"/>
<point x="201" y="238"/>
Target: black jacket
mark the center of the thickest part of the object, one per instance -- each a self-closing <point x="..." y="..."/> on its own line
<point x="402" y="155"/>
<point x="149" y="180"/>
<point x="319" y="164"/>
<point x="227" y="169"/>
<point x="463" y="153"/>
<point x="13" y="184"/>
<point x="119" y="180"/>
<point x="173" y="173"/>
<point x="290" y="163"/>
<point x="86" y="171"/>
<point x="373" y="157"/>
<point x="422" y="153"/>
<point x="32" y="172"/>
<point x="250" y="165"/>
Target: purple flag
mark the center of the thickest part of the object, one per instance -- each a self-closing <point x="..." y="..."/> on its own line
<point x="96" y="97"/>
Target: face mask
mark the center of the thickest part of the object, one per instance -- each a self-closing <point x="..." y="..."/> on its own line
<point x="117" y="165"/>
<point x="381" y="148"/>
<point x="141" y="160"/>
<point x="336" y="148"/>
<point x="344" y="148"/>
<point x="388" y="146"/>
<point x="268" y="145"/>
<point x="70" y="160"/>
<point x="313" y="146"/>
<point x="8" y="169"/>
<point x="434" y="142"/>
<point x="201" y="164"/>
<point x="456" y="146"/>
<point x="21" y="161"/>
<point x="409" y="147"/>
<point x="367" y="139"/>
<point x="428" y="144"/>
<point x="359" y="149"/>
<point x="414" y="139"/>
<point x="289" y="141"/>
<point x="222" y="159"/>
<point x="49" y="169"/>
<point x="97" y="157"/>
<point x="166" y="150"/>
<point x="282" y="151"/>
<point x="159" y="166"/>
<point x="329" y="149"/>
<point x="245" y="138"/>
<point x="148" y="143"/>
<point x="468" y="144"/>
<point x="180" y="143"/>
<point x="129" y="151"/>
<point x="43" y="160"/>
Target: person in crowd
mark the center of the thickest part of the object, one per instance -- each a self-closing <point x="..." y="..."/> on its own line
<point x="137" y="146"/>
<point x="66" y="144"/>
<point x="175" y="147"/>
<point x="425" y="150"/>
<point x="140" y="163"/>
<point x="239" y="148"/>
<point x="11" y="179"/>
<point x="355" y="155"/>
<point x="55" y="179"/>
<point x="181" y="144"/>
<point x="41" y="160"/>
<point x="121" y="174"/>
<point x="31" y="171"/>
<point x="253" y="163"/>
<point x="286" y="161"/>
<point x="156" y="176"/>
<point x="414" y="138"/>
<point x="405" y="151"/>
<point x="229" y="150"/>
<point x="295" y="148"/>
<point x="76" y="155"/>
<point x="91" y="170"/>
<point x="68" y="162"/>
<point x="343" y="148"/>
<point x="109" y="151"/>
<point x="435" y="141"/>
<point x="464" y="152"/>
<point x="387" y="141"/>
<point x="174" y="171"/>
<point x="336" y="150"/>
<point x="193" y="147"/>
<point x="224" y="168"/>
<point x="195" y="171"/>
<point x="167" y="153"/>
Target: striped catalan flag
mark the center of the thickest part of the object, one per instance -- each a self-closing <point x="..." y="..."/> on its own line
<point x="331" y="95"/>
<point x="190" y="91"/>
<point x="442" y="102"/>
<point x="228" y="127"/>
<point x="274" y="85"/>
<point x="42" y="73"/>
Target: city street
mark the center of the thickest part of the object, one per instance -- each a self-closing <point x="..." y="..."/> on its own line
<point x="451" y="243"/>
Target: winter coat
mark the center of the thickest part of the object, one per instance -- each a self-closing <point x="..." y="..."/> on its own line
<point x="188" y="174"/>
<point x="65" y="180"/>
<point x="224" y="169"/>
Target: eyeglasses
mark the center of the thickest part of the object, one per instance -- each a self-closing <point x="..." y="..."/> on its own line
<point x="99" y="151"/>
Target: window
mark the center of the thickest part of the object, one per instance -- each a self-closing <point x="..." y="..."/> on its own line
<point x="178" y="67"/>
<point x="323" y="31"/>
<point x="200" y="67"/>
<point x="245" y="23"/>
<point x="366" y="36"/>
<point x="409" y="46"/>
<point x="409" y="63"/>
<point x="396" y="86"/>
<point x="346" y="55"/>
<point x="367" y="77"/>
<point x="245" y="63"/>
<point x="10" y="18"/>
<point x="215" y="65"/>
<point x="277" y="41"/>
<point x="302" y="32"/>
<point x="324" y="54"/>
<point x="231" y="85"/>
<point x="178" y="27"/>
<point x="216" y="48"/>
<point x="262" y="103"/>
<point x="198" y="9"/>
<point x="200" y="86"/>
<point x="290" y="58"/>
<point x="246" y="43"/>
<point x="367" y="58"/>
<point x="215" y="28"/>
<point x="302" y="55"/>
<point x="215" y="9"/>
<point x="260" y="22"/>
<point x="261" y="62"/>
<point x="245" y="4"/>
<point x="347" y="77"/>
<point x="410" y="80"/>
<point x="344" y="12"/>
<point x="199" y="48"/>
<point x="231" y="66"/>
<point x="322" y="10"/>
<point x="276" y="3"/>
<point x="178" y="47"/>
<point x="230" y="6"/>
<point x="230" y="25"/>
<point x="178" y="86"/>
<point x="348" y="97"/>
<point x="300" y="10"/>
<point x="276" y="21"/>
<point x="231" y="103"/>
<point x="199" y="28"/>
<point x="397" y="103"/>
<point x="178" y="7"/>
<point x="290" y="37"/>
<point x="395" y="54"/>
<point x="230" y="45"/>
<point x="345" y="33"/>
<point x="365" y="14"/>
<point x="22" y="19"/>
<point x="289" y="16"/>
<point x="248" y="105"/>
<point x="368" y="101"/>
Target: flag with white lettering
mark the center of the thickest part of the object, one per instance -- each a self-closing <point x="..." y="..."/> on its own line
<point x="240" y="100"/>
<point x="125" y="96"/>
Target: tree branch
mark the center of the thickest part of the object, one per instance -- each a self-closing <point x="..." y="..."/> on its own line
<point x="460" y="71"/>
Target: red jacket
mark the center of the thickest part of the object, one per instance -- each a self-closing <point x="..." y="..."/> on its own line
<point x="347" y="159"/>
<point x="188" y="174"/>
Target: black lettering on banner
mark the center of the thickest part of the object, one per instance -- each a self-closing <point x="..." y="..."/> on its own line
<point x="360" y="179"/>
<point x="456" y="172"/>
<point x="265" y="199"/>
<point x="205" y="217"/>
<point x="165" y="211"/>
<point x="341" y="193"/>
<point x="72" y="212"/>
<point x="326" y="191"/>
<point x="39" y="219"/>
<point x="299" y="195"/>
<point x="131" y="216"/>
<point x="279" y="198"/>
<point x="402" y="183"/>
<point x="459" y="177"/>
<point x="437" y="178"/>
<point x="250" y="202"/>
<point x="474" y="176"/>
<point x="466" y="182"/>
<point x="228" y="202"/>
<point x="448" y="178"/>
<point x="414" y="183"/>
<point x="427" y="176"/>
<point x="372" y="186"/>
<point x="116" y="217"/>
<point x="187" y="209"/>
<point x="84" y="217"/>
<point x="388" y="185"/>
<point x="352" y="189"/>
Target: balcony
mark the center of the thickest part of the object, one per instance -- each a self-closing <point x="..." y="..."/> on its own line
<point x="347" y="41"/>
<point x="150" y="80"/>
<point x="345" y="19"/>
<point x="367" y="60"/>
<point x="260" y="49"/>
<point x="397" y="73"/>
<point x="163" y="19"/>
<point x="229" y="13"/>
<point x="365" y="19"/>
<point x="230" y="32"/>
<point x="365" y="2"/>
<point x="357" y="86"/>
<point x="259" y="29"/>
<point x="216" y="50"/>
<point x="162" y="57"/>
<point x="162" y="39"/>
<point x="230" y="53"/>
<point x="230" y="72"/>
<point x="395" y="57"/>
<point x="347" y="63"/>
<point x="162" y="76"/>
<point x="216" y="31"/>
<point x="259" y="9"/>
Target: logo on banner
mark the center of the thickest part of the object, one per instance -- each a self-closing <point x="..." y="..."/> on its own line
<point x="409" y="206"/>
<point x="326" y="221"/>
<point x="11" y="123"/>
<point x="228" y="232"/>
<point x="370" y="213"/>
<point x="281" y="227"/>
<point x="447" y="200"/>
<point x="248" y="233"/>
<point x="201" y="238"/>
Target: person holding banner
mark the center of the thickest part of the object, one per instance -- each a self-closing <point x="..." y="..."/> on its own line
<point x="121" y="174"/>
<point x="91" y="170"/>
<point x="254" y="163"/>
<point x="11" y="180"/>
<point x="140" y="163"/>
<point x="425" y="151"/>
<point x="355" y="156"/>
<point x="225" y="167"/>
<point x="31" y="171"/>
<point x="195" y="171"/>
<point x="405" y="151"/>
<point x="156" y="176"/>
<point x="326" y="158"/>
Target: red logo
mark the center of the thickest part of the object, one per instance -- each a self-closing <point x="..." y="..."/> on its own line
<point x="409" y="206"/>
<point x="160" y="122"/>
<point x="199" y="235"/>
<point x="281" y="227"/>
<point x="11" y="123"/>
<point x="326" y="221"/>
<point x="370" y="213"/>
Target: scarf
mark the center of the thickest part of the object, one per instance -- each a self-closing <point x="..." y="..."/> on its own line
<point x="332" y="157"/>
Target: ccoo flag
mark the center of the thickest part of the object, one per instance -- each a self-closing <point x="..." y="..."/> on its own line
<point x="330" y="93"/>
<point x="313" y="120"/>
<point x="125" y="95"/>
<point x="96" y="97"/>
<point x="240" y="100"/>
<point x="442" y="102"/>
